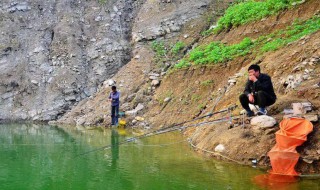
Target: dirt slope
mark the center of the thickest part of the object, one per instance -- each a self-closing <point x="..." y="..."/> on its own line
<point x="192" y="94"/>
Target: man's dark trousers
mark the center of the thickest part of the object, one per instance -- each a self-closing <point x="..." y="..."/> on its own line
<point x="114" y="114"/>
<point x="261" y="98"/>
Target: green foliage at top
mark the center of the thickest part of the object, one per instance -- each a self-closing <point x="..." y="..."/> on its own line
<point x="292" y="33"/>
<point x="217" y="52"/>
<point x="250" y="10"/>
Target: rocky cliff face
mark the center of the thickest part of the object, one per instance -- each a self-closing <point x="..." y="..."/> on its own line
<point x="54" y="53"/>
<point x="162" y="21"/>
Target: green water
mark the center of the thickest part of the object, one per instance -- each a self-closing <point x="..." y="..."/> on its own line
<point x="46" y="157"/>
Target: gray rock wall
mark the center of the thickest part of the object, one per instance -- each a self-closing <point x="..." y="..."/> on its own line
<point x="54" y="53"/>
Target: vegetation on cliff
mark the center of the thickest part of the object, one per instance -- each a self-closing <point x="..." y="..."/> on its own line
<point x="217" y="52"/>
<point x="248" y="11"/>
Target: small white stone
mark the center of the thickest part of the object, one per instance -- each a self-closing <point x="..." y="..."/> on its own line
<point x="219" y="148"/>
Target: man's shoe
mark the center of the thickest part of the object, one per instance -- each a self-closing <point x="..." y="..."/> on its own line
<point x="250" y="113"/>
<point x="262" y="111"/>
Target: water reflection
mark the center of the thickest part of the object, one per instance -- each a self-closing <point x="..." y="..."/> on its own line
<point x="114" y="148"/>
<point x="277" y="182"/>
<point x="45" y="157"/>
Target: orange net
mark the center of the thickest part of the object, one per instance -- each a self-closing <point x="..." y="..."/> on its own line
<point x="283" y="156"/>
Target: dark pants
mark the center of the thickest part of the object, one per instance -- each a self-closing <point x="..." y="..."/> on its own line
<point x="261" y="99"/>
<point x="114" y="115"/>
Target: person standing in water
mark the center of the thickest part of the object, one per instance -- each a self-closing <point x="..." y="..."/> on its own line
<point x="114" y="97"/>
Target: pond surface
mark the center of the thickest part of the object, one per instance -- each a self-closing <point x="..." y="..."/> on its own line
<point x="47" y="157"/>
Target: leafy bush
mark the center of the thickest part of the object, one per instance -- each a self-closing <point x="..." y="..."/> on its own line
<point x="102" y="1"/>
<point x="207" y="83"/>
<point x="292" y="33"/>
<point x="217" y="52"/>
<point x="249" y="11"/>
<point x="159" y="48"/>
<point x="177" y="47"/>
<point x="182" y="64"/>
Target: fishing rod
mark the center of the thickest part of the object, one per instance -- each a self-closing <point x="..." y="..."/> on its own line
<point x="210" y="114"/>
<point x="166" y="130"/>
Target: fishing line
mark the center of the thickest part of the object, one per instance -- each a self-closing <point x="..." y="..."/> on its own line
<point x="157" y="132"/>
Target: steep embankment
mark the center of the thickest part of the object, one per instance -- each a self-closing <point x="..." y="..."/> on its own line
<point x="294" y="68"/>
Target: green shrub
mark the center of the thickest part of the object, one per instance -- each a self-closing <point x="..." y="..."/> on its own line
<point x="102" y="1"/>
<point x="217" y="52"/>
<point x="248" y="11"/>
<point x="159" y="48"/>
<point x="207" y="83"/>
<point x="292" y="33"/>
<point x="177" y="48"/>
<point x="182" y="64"/>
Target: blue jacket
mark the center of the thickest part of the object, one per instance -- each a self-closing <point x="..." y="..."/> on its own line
<point x="114" y="98"/>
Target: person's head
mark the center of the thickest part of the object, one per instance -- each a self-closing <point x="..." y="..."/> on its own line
<point x="114" y="88"/>
<point x="254" y="70"/>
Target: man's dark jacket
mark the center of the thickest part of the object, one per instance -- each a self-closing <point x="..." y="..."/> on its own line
<point x="262" y="84"/>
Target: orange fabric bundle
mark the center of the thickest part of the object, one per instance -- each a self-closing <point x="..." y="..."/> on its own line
<point x="293" y="132"/>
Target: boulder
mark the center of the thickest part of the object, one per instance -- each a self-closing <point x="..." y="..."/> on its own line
<point x="167" y="99"/>
<point x="138" y="118"/>
<point x="219" y="148"/>
<point x="155" y="82"/>
<point x="109" y="82"/>
<point x="263" y="121"/>
<point x="135" y="111"/>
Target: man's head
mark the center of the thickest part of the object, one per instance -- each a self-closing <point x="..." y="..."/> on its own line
<point x="254" y="70"/>
<point x="114" y="88"/>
